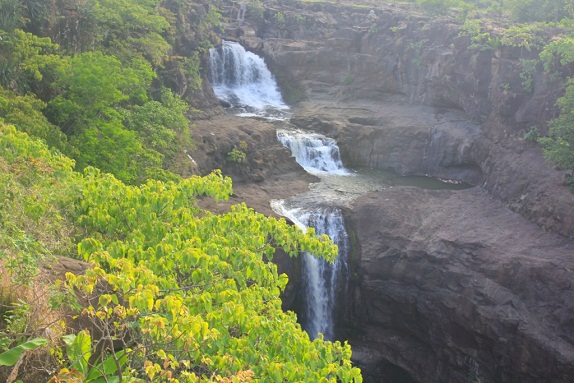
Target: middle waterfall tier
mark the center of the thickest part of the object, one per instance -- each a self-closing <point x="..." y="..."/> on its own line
<point x="314" y="152"/>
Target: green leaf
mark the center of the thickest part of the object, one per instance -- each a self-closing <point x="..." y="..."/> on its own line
<point x="78" y="348"/>
<point x="101" y="372"/>
<point x="10" y="357"/>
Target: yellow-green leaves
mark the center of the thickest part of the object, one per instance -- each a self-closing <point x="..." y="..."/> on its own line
<point x="187" y="295"/>
<point x="200" y="286"/>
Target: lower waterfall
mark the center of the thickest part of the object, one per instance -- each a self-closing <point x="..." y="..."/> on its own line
<point x="322" y="282"/>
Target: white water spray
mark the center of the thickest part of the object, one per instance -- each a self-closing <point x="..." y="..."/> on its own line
<point x="242" y="79"/>
<point x="315" y="152"/>
<point x="322" y="282"/>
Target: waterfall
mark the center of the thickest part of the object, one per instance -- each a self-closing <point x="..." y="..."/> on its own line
<point x="322" y="282"/>
<point x="242" y="79"/>
<point x="315" y="152"/>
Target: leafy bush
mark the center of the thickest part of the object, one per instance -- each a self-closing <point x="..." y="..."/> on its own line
<point x="556" y="53"/>
<point x="532" y="135"/>
<point x="185" y="294"/>
<point x="559" y="145"/>
<point x="540" y="10"/>
<point x="237" y="154"/>
<point x="480" y="40"/>
<point x="527" y="73"/>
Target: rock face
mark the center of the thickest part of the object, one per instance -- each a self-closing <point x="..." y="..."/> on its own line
<point x="268" y="170"/>
<point x="474" y="285"/>
<point x="456" y="288"/>
<point x="406" y="139"/>
<point x="339" y="56"/>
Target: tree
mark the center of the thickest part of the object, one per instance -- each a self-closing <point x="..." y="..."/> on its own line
<point x="12" y="15"/>
<point x="559" y="145"/>
<point x="130" y="29"/>
<point x="186" y="295"/>
<point x="25" y="113"/>
<point x="92" y="89"/>
<point x="161" y="125"/>
<point x="541" y="10"/>
<point x="24" y="59"/>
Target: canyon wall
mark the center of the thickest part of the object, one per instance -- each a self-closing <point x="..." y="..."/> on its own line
<point x="338" y="55"/>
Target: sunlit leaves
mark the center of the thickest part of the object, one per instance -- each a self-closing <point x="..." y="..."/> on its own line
<point x="199" y="283"/>
<point x="189" y="295"/>
<point x="93" y="84"/>
<point x="131" y="29"/>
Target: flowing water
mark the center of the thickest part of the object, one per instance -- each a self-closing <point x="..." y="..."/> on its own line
<point x="242" y="80"/>
<point x="316" y="153"/>
<point x="322" y="282"/>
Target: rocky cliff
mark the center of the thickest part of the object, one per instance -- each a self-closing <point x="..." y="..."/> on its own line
<point x="456" y="288"/>
<point x="339" y="55"/>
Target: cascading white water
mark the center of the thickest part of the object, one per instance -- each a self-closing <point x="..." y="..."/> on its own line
<point x="243" y="80"/>
<point x="322" y="282"/>
<point x="315" y="152"/>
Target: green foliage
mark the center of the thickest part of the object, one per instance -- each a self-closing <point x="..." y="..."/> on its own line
<point x="12" y="15"/>
<point x="532" y="135"/>
<point x="480" y="40"/>
<point x="92" y="88"/>
<point x="300" y="19"/>
<point x="37" y="195"/>
<point x="436" y="7"/>
<point x="79" y="349"/>
<point x="161" y="125"/>
<point x="279" y="19"/>
<point x="541" y="10"/>
<point x="556" y="53"/>
<point x="192" y="68"/>
<point x="522" y="36"/>
<point x="219" y="312"/>
<point x="25" y="113"/>
<point x="93" y="84"/>
<point x="187" y="294"/>
<point x="136" y="29"/>
<point x="559" y="145"/>
<point x="24" y="58"/>
<point x="237" y="154"/>
<point x="114" y="149"/>
<point x="256" y="9"/>
<point x="10" y="357"/>
<point x="527" y="73"/>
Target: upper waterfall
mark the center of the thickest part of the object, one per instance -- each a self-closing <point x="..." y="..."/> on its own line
<point x="242" y="79"/>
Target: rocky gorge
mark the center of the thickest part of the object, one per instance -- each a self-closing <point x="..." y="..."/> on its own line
<point x="448" y="286"/>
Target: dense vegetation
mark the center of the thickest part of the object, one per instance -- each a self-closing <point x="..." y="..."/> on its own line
<point x="174" y="293"/>
<point x="90" y="126"/>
